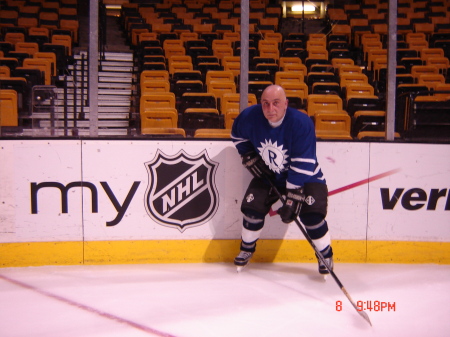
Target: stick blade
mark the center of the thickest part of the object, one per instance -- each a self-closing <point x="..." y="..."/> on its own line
<point x="365" y="316"/>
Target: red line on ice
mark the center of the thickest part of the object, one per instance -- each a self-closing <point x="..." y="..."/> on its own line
<point x="87" y="308"/>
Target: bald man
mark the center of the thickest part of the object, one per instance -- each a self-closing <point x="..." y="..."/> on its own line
<point x="277" y="142"/>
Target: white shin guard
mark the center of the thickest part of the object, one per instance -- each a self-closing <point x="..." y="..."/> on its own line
<point x="249" y="236"/>
<point x="323" y="242"/>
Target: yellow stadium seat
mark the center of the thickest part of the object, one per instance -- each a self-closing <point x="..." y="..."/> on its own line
<point x="285" y="60"/>
<point x="219" y="88"/>
<point x="333" y="126"/>
<point x="296" y="67"/>
<point x="219" y="75"/>
<point x="155" y="86"/>
<point x="231" y="102"/>
<point x="318" y="103"/>
<point x="8" y="108"/>
<point x="48" y="56"/>
<point x="287" y="76"/>
<point x="359" y="90"/>
<point x="296" y="89"/>
<point x="157" y="100"/>
<point x="431" y="80"/>
<point x="45" y="65"/>
<point x="5" y="72"/>
<point x="164" y="132"/>
<point x="352" y="78"/>
<point x="64" y="40"/>
<point x="154" y="75"/>
<point x="159" y="118"/>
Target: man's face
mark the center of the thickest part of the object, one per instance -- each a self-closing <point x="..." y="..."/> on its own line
<point x="274" y="104"/>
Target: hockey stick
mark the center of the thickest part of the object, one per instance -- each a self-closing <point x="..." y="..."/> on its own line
<point x="322" y="259"/>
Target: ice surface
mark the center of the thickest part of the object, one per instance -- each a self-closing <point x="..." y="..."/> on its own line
<point x="213" y="300"/>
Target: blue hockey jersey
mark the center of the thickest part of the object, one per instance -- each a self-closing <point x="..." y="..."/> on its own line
<point x="289" y="149"/>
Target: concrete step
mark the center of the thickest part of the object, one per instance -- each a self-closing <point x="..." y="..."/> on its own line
<point x="85" y="132"/>
<point x="102" y="102"/>
<point x="108" y="56"/>
<point x="70" y="115"/>
<point x="101" y="109"/>
<point x="82" y="124"/>
<point x="119" y="94"/>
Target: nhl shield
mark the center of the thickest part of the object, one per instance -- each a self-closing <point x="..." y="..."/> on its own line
<point x="181" y="192"/>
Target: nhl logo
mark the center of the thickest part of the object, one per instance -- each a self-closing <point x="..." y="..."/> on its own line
<point x="181" y="192"/>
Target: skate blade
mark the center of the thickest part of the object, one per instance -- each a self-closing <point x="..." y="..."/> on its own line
<point x="240" y="268"/>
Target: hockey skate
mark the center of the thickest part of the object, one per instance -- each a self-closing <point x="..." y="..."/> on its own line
<point x="323" y="269"/>
<point x="242" y="260"/>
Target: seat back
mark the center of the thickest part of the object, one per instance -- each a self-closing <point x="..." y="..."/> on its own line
<point x="154" y="75"/>
<point x="353" y="78"/>
<point x="8" y="108"/>
<point x="27" y="47"/>
<point x="323" y="103"/>
<point x="373" y="54"/>
<point x="5" y="72"/>
<point x="359" y="89"/>
<point x="157" y="100"/>
<point x="442" y="63"/>
<point x="45" y="65"/>
<point x="155" y="86"/>
<point x="48" y="56"/>
<point x="431" y="80"/>
<point x="332" y="126"/>
<point x="180" y="66"/>
<point x="231" y="102"/>
<point x="159" y="118"/>
<point x="418" y="70"/>
<point x="287" y="76"/>
<point x="164" y="132"/>
<point x="285" y="60"/>
<point x="212" y="133"/>
<point x="296" y="67"/>
<point x="219" y="75"/>
<point x="196" y="100"/>
<point x="64" y="40"/>
<point x="295" y="89"/>
<point x="219" y="88"/>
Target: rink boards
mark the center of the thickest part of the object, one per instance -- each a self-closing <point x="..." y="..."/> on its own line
<point x="118" y="201"/>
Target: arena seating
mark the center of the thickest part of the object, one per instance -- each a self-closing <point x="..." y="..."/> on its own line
<point x="308" y="67"/>
<point x="36" y="43"/>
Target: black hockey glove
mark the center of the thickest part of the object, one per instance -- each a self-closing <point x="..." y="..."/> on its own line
<point x="291" y="208"/>
<point x="255" y="164"/>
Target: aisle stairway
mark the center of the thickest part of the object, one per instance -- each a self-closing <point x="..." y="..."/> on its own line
<point x="50" y="117"/>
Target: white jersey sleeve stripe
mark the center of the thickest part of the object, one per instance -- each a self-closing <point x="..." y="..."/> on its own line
<point x="237" y="140"/>
<point x="303" y="160"/>
<point x="308" y="173"/>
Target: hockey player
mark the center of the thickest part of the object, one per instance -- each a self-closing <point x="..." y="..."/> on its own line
<point x="278" y="142"/>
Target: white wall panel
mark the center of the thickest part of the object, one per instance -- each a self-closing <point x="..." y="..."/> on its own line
<point x="357" y="175"/>
<point x="407" y="211"/>
<point x="34" y="162"/>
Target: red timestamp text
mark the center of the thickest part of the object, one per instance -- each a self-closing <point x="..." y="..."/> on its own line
<point x="370" y="306"/>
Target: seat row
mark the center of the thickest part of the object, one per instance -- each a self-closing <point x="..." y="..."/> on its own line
<point x="58" y="17"/>
<point x="200" y="17"/>
<point x="361" y="19"/>
<point x="416" y="60"/>
<point x="200" y="111"/>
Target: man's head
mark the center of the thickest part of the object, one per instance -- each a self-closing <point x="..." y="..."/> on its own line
<point x="274" y="103"/>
